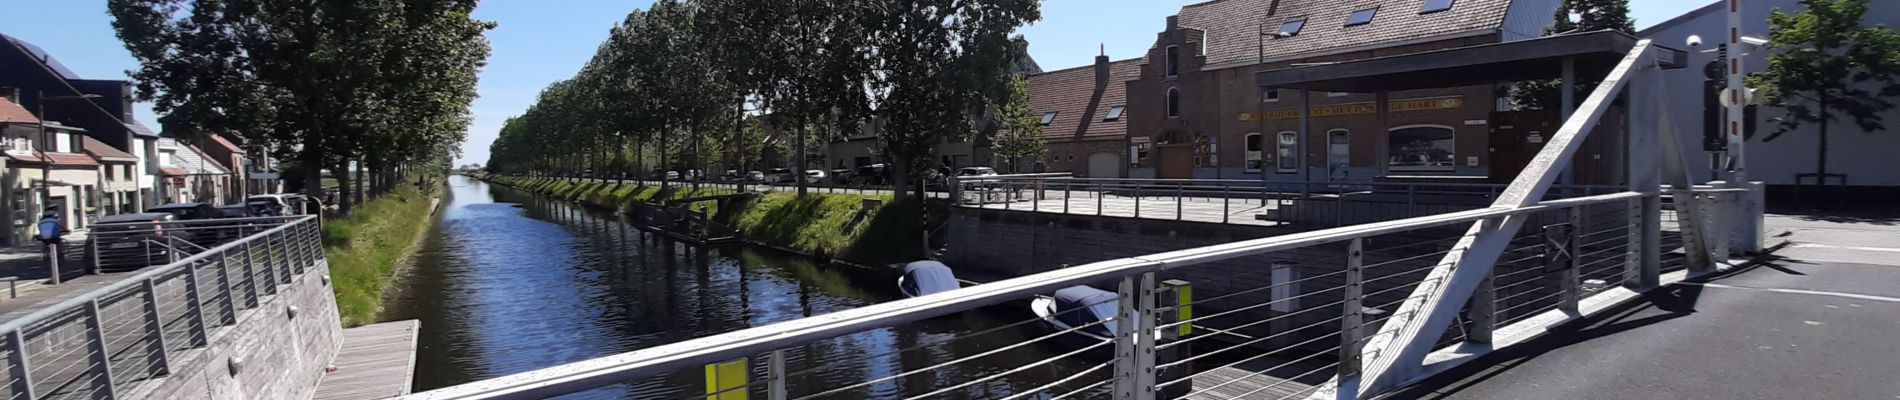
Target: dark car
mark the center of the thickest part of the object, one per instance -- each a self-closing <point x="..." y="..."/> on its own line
<point x="188" y="211"/>
<point x="235" y="211"/>
<point x="128" y="242"/>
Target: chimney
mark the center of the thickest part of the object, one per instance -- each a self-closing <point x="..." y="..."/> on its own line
<point x="1101" y="69"/>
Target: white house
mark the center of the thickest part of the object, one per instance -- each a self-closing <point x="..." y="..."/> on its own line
<point x="1865" y="157"/>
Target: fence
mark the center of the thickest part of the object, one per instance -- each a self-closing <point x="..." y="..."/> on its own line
<point x="1313" y="204"/>
<point x="106" y="342"/>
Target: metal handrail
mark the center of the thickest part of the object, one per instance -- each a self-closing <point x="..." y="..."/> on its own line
<point x="652" y="361"/>
<point x="88" y="297"/>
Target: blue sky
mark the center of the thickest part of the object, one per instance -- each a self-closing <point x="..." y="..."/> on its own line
<point x="540" y="41"/>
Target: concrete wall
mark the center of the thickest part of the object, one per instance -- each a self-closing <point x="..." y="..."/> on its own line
<point x="283" y="356"/>
<point x="1864" y="156"/>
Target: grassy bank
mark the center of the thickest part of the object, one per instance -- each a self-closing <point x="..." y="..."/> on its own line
<point x="365" y="248"/>
<point x="821" y="224"/>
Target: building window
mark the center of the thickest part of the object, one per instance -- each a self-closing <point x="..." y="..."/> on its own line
<point x="1254" y="152"/>
<point x="1432" y="6"/>
<point x="1174" y="61"/>
<point x="1288" y="152"/>
<point x="1048" y="118"/>
<point x="1115" y="113"/>
<point x="1292" y="28"/>
<point x="1361" y="17"/>
<point x="1174" y="103"/>
<point x="1270" y="95"/>
<point x="111" y="171"/>
<point x="1421" y="148"/>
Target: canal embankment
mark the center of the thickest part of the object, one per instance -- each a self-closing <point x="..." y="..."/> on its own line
<point x="368" y="248"/>
<point x="840" y="227"/>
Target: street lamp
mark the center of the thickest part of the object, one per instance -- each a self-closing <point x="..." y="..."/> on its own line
<point x="46" y="175"/>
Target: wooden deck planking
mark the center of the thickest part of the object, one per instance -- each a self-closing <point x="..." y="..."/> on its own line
<point x="376" y="362"/>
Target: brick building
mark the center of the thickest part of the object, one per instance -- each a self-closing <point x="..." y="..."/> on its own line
<point x="1084" y="119"/>
<point x="1195" y="111"/>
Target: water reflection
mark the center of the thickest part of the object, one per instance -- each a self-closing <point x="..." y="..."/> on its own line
<point x="510" y="282"/>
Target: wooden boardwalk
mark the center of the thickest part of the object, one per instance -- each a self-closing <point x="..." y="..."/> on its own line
<point x="1268" y="378"/>
<point x="376" y="362"/>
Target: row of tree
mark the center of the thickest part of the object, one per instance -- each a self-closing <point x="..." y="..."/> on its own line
<point x="379" y="86"/>
<point x="687" y="84"/>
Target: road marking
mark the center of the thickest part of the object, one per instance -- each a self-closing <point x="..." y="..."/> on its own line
<point x="1833" y="247"/>
<point x="1799" y="291"/>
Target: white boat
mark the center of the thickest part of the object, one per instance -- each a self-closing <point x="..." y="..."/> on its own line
<point x="925" y="278"/>
<point x="1076" y="306"/>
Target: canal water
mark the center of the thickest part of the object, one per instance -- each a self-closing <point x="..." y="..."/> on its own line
<point x="510" y="282"/>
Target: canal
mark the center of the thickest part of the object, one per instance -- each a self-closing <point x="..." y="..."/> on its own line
<point x="510" y="282"/>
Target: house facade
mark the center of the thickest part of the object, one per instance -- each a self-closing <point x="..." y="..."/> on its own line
<point x="118" y="187"/>
<point x="47" y="170"/>
<point x="1084" y="116"/>
<point x="33" y="73"/>
<point x="1864" y="158"/>
<point x="1194" y="111"/>
<point x="191" y="175"/>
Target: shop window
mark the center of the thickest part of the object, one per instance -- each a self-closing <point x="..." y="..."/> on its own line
<point x="1421" y="148"/>
<point x="1288" y="152"/>
<point x="1254" y="152"/>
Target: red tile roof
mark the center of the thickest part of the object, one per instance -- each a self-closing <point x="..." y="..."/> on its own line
<point x="1232" y="27"/>
<point x="173" y="171"/>
<point x="11" y="112"/>
<point x="1069" y="92"/>
<point x="105" y="152"/>
<point x="226" y="144"/>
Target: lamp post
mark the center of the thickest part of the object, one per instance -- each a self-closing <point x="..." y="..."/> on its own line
<point x="46" y="175"/>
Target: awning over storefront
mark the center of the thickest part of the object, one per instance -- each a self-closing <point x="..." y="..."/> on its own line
<point x="1593" y="55"/>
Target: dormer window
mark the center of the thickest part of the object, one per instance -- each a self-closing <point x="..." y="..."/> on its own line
<point x="1292" y="28"/>
<point x="1115" y="113"/>
<point x="1361" y="17"/>
<point x="1432" y="6"/>
<point x="1048" y="118"/>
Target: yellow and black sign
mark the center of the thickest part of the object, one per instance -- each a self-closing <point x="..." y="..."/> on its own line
<point x="727" y="380"/>
<point x="1336" y="110"/>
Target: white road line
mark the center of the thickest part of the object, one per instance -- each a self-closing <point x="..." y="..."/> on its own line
<point x="1799" y="291"/>
<point x="1833" y="247"/>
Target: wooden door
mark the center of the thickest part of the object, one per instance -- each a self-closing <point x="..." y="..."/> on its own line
<point x="1177" y="162"/>
<point x="1516" y="137"/>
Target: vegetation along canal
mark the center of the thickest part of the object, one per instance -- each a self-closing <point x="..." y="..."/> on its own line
<point x="511" y="281"/>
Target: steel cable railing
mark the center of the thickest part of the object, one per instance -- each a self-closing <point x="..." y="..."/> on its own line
<point x="107" y="342"/>
<point x="1328" y="295"/>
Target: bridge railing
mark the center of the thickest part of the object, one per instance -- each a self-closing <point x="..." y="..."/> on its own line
<point x="1265" y="318"/>
<point x="1322" y="204"/>
<point x="106" y="342"/>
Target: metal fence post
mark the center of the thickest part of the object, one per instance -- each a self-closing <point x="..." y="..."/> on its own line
<point x="1134" y="340"/>
<point x="775" y="376"/>
<point x="1482" y="315"/>
<point x="1633" y="243"/>
<point x="1351" y="322"/>
<point x="196" y="304"/>
<point x="95" y="337"/>
<point x="1099" y="194"/>
<point x="21" y="371"/>
<point x="1137" y="200"/>
<point x="224" y="283"/>
<point x="1178" y="202"/>
<point x="157" y="326"/>
<point x="1650" y="254"/>
<point x="1226" y="195"/>
<point x="1065" y="196"/>
<point x="1571" y="288"/>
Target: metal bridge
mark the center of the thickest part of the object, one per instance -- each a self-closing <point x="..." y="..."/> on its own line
<point x="1375" y="306"/>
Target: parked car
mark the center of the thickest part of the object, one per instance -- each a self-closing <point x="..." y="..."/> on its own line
<point x="755" y="176"/>
<point x="729" y="176"/>
<point x="281" y="204"/>
<point x="188" y="211"/>
<point x="780" y="175"/>
<point x="122" y="242"/>
<point x="672" y="175"/>
<point x="967" y="173"/>
<point x="840" y="176"/>
<point x="238" y="210"/>
<point x="814" y="176"/>
<point x="874" y="174"/>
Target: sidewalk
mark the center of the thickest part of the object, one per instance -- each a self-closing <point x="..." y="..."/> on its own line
<point x="1808" y="321"/>
<point x="27" y="262"/>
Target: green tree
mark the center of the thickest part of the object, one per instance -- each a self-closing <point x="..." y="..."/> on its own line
<point x="1021" y="133"/>
<point x="1828" y="66"/>
<point x="1573" y="16"/>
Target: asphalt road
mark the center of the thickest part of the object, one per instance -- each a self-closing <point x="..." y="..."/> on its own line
<point x="1819" y="320"/>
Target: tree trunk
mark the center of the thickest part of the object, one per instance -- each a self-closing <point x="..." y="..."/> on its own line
<point x="798" y="162"/>
<point x="1821" y="161"/>
<point x="900" y="178"/>
<point x="345" y="190"/>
